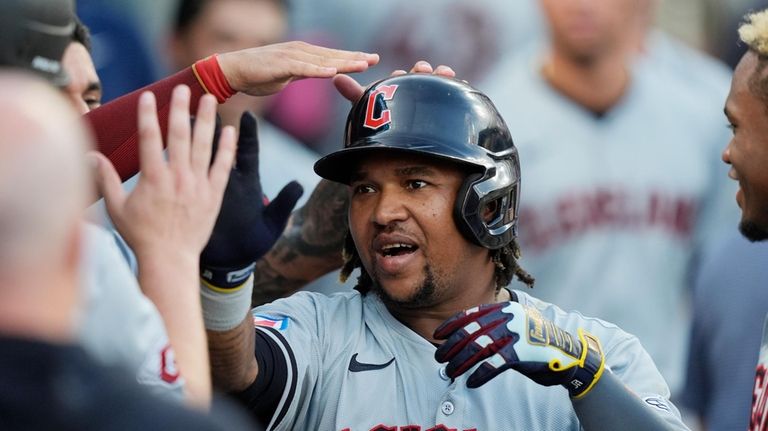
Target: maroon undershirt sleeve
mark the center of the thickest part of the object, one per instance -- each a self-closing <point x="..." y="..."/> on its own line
<point x="115" y="123"/>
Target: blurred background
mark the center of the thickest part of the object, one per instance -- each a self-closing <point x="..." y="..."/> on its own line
<point x="471" y="36"/>
<point x="692" y="45"/>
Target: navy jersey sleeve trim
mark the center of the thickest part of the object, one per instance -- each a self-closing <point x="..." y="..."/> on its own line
<point x="270" y="395"/>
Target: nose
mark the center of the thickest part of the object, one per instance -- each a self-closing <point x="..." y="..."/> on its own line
<point x="726" y="156"/>
<point x="389" y="208"/>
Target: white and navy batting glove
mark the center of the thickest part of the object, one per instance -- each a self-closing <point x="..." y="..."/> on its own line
<point x="510" y="335"/>
<point x="248" y="225"/>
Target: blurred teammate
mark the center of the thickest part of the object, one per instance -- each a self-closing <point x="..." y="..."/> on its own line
<point x="50" y="382"/>
<point x="623" y="183"/>
<point x="747" y="155"/>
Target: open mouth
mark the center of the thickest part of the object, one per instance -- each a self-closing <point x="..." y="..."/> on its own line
<point x="394" y="254"/>
<point x="397" y="249"/>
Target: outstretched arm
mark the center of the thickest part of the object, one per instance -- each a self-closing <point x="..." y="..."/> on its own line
<point x="256" y="71"/>
<point x="168" y="218"/>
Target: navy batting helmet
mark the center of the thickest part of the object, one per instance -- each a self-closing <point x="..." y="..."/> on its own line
<point x="34" y="35"/>
<point x="445" y="118"/>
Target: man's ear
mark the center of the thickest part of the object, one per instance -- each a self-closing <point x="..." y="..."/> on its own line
<point x="490" y="211"/>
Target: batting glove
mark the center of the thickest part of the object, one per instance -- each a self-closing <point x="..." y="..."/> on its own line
<point x="248" y="225"/>
<point x="510" y="335"/>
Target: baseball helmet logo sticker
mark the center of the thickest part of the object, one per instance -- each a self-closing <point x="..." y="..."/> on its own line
<point x="372" y="120"/>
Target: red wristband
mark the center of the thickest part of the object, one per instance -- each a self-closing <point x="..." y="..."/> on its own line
<point x="212" y="79"/>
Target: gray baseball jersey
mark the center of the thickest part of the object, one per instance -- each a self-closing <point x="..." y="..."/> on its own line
<point x="352" y="366"/>
<point x="758" y="420"/>
<point x="119" y="325"/>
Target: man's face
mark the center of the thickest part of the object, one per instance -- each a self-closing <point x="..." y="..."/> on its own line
<point x="588" y="29"/>
<point x="747" y="152"/>
<point x="84" y="88"/>
<point x="401" y="220"/>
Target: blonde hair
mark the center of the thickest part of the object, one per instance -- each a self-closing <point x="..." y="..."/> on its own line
<point x="754" y="32"/>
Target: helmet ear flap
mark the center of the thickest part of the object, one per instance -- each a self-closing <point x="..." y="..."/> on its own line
<point x="466" y="210"/>
<point x="486" y="207"/>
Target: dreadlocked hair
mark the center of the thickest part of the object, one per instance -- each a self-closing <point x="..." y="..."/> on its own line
<point x="504" y="260"/>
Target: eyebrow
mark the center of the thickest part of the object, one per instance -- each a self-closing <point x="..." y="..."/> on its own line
<point x="414" y="170"/>
<point x="400" y="172"/>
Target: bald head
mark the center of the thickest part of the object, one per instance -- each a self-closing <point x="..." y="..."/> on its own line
<point x="43" y="177"/>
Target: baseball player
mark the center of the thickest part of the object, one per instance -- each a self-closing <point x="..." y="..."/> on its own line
<point x="48" y="32"/>
<point x="109" y="287"/>
<point x="432" y="338"/>
<point x="623" y="185"/>
<point x="747" y="154"/>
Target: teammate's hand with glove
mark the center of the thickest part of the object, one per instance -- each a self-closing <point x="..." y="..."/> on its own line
<point x="245" y="230"/>
<point x="510" y="335"/>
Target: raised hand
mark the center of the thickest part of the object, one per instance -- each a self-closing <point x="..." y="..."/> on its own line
<point x="168" y="218"/>
<point x="175" y="202"/>
<point x="247" y="225"/>
<point x="268" y="69"/>
<point x="509" y="335"/>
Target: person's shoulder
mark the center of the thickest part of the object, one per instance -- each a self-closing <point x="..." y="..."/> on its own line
<point x="320" y="299"/>
<point x="685" y="77"/>
<point x="86" y="395"/>
<point x="311" y="306"/>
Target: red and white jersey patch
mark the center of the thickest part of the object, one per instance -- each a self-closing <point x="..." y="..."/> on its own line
<point x="270" y="322"/>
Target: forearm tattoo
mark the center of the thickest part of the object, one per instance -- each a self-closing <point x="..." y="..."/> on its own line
<point x="309" y="247"/>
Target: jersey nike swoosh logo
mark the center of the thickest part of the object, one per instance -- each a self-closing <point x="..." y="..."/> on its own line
<point x="356" y="367"/>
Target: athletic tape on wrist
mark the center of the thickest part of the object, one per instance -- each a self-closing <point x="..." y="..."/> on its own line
<point x="225" y="309"/>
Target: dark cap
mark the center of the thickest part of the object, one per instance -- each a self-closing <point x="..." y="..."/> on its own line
<point x="34" y="35"/>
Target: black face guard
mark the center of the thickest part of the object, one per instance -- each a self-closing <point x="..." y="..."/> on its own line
<point x="486" y="207"/>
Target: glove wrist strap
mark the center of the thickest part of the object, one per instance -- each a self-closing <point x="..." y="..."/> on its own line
<point x="224" y="279"/>
<point x="592" y="364"/>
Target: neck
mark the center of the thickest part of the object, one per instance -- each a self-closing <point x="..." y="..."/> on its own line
<point x="424" y="321"/>
<point x="597" y="84"/>
<point x="28" y="313"/>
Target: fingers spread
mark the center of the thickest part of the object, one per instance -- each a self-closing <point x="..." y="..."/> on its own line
<point x="487" y="370"/>
<point x="463" y="318"/>
<point x="278" y="211"/>
<point x="224" y="159"/>
<point x="178" y="129"/>
<point x="247" y="158"/>
<point x="421" y="66"/>
<point x="443" y="70"/>
<point x="150" y="139"/>
<point x="202" y="139"/>
<point x="108" y="183"/>
<point x="348" y="87"/>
